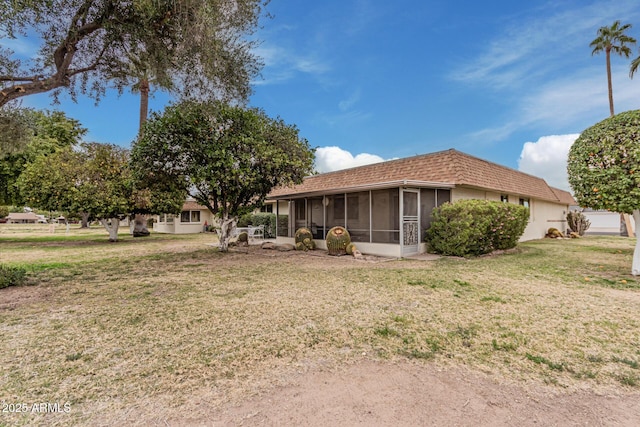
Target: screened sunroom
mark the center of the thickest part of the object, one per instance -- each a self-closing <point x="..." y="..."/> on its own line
<point x="385" y="221"/>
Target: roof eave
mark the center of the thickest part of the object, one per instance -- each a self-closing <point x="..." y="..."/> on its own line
<point x="364" y="187"/>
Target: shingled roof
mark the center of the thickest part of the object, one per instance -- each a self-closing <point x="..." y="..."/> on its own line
<point x="192" y="205"/>
<point x="441" y="169"/>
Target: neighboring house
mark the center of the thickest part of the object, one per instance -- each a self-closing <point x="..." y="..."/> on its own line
<point x="192" y="219"/>
<point x="270" y="207"/>
<point x="22" y="218"/>
<point x="387" y="206"/>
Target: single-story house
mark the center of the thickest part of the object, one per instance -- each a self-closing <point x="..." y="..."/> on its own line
<point x="192" y="219"/>
<point x="24" y="218"/>
<point x="386" y="207"/>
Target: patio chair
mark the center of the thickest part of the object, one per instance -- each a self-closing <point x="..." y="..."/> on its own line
<point x="256" y="233"/>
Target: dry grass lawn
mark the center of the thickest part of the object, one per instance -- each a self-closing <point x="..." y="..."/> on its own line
<point x="167" y="325"/>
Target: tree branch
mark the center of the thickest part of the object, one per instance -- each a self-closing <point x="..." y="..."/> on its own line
<point x="20" y="79"/>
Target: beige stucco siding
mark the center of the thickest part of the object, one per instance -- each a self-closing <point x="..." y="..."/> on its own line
<point x="460" y="193"/>
<point x="178" y="227"/>
<point x="544" y="214"/>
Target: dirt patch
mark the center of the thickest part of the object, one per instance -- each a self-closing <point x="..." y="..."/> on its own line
<point x="381" y="394"/>
<point x="18" y="296"/>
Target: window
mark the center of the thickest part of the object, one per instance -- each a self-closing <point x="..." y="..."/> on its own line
<point x="190" y="216"/>
<point x="504" y="198"/>
<point x="524" y="202"/>
<point x="267" y="208"/>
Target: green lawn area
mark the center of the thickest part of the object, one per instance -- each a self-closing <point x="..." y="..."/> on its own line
<point x="154" y="324"/>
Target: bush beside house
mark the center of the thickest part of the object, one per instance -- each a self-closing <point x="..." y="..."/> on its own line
<point x="476" y="227"/>
<point x="266" y="219"/>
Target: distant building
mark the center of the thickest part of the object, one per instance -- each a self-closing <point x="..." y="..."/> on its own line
<point x="192" y="219"/>
<point x="23" y="218"/>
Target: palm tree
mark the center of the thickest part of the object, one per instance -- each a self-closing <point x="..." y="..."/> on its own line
<point x="634" y="66"/>
<point x="613" y="39"/>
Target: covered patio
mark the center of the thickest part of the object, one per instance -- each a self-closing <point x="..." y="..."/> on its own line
<point x="385" y="221"/>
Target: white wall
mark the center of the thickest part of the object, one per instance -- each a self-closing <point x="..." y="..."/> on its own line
<point x="543" y="214"/>
<point x="605" y="222"/>
<point x="379" y="249"/>
<point x="178" y="227"/>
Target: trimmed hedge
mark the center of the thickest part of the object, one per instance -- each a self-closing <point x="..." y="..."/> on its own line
<point x="266" y="219"/>
<point x="476" y="227"/>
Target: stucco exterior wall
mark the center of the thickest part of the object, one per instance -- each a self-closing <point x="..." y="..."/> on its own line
<point x="460" y="193"/>
<point x="605" y="222"/>
<point x="178" y="227"/>
<point x="379" y="249"/>
<point x="543" y="216"/>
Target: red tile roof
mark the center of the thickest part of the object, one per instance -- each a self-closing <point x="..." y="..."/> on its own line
<point x="441" y="169"/>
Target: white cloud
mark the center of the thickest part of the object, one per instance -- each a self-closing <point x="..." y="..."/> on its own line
<point x="547" y="159"/>
<point x="330" y="159"/>
<point x="574" y="103"/>
<point x="531" y="48"/>
<point x="281" y="65"/>
<point x="542" y="67"/>
<point x="346" y="104"/>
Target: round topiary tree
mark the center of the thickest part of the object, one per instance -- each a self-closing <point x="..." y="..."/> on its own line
<point x="604" y="168"/>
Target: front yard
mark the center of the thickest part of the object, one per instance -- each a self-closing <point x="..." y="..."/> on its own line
<point x="145" y="329"/>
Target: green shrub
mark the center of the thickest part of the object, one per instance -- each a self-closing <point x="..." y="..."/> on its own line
<point x="257" y="219"/>
<point x="245" y="220"/>
<point x="4" y="211"/>
<point x="475" y="227"/>
<point x="12" y="276"/>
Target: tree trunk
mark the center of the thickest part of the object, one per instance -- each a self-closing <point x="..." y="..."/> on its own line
<point x="635" y="265"/>
<point x="610" y="86"/>
<point x="144" y="102"/>
<point x="84" y="222"/>
<point x="227" y="224"/>
<point x="112" y="227"/>
<point x="140" y="221"/>
<point x="140" y="226"/>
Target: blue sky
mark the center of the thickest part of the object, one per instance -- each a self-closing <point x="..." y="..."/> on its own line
<point x="510" y="82"/>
